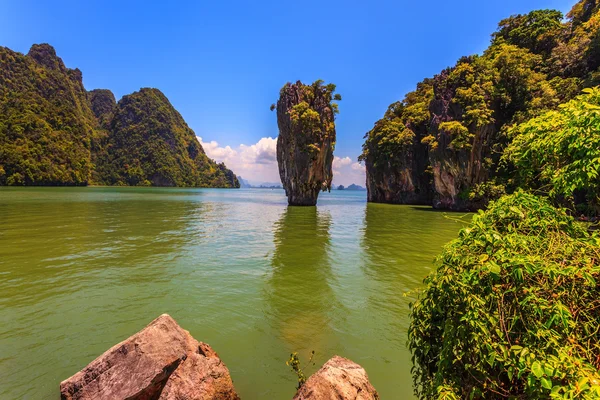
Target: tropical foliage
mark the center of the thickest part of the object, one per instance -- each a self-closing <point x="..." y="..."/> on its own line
<point x="456" y="125"/>
<point x="512" y="310"/>
<point x="52" y="132"/>
<point x="150" y="144"/>
<point x="45" y="127"/>
<point x="559" y="152"/>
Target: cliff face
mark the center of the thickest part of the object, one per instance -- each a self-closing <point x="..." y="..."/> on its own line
<point x="150" y="144"/>
<point x="53" y="132"/>
<point x="457" y="159"/>
<point x="305" y="116"/>
<point x="443" y="143"/>
<point x="46" y="124"/>
<point x="396" y="160"/>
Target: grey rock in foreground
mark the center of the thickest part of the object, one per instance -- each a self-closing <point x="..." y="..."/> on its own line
<point x="161" y="362"/>
<point x="338" y="379"/>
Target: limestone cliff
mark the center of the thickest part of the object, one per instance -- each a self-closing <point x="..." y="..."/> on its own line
<point x="396" y="160"/>
<point x="443" y="144"/>
<point x="306" y="120"/>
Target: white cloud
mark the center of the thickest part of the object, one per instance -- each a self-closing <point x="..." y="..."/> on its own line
<point x="341" y="162"/>
<point x="263" y="152"/>
<point x="358" y="167"/>
<point x="213" y="150"/>
<point x="257" y="163"/>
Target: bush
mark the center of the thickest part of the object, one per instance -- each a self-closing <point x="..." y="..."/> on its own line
<point x="560" y="150"/>
<point x="512" y="310"/>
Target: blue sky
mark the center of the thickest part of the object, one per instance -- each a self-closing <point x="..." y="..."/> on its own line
<point x="222" y="63"/>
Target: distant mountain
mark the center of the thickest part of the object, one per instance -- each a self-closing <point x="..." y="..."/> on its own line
<point x="265" y="185"/>
<point x="53" y="132"/>
<point x="355" y="187"/>
<point x="269" y="185"/>
<point x="243" y="183"/>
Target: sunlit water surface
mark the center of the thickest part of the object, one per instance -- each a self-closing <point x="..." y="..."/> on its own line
<point x="84" y="268"/>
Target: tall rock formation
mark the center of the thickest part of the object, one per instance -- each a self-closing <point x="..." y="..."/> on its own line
<point x="306" y="120"/>
<point x="53" y="132"/>
<point x="443" y="144"/>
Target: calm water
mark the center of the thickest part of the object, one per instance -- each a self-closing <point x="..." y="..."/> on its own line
<point x="84" y="268"/>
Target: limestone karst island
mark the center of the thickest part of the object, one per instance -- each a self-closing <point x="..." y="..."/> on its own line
<point x="189" y="211"/>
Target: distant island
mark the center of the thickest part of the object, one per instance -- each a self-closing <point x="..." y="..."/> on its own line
<point x="244" y="184"/>
<point x="351" y="187"/>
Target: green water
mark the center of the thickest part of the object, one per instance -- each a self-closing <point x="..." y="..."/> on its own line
<point x="84" y="268"/>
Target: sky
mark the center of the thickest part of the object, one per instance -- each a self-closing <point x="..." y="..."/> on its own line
<point x="222" y="63"/>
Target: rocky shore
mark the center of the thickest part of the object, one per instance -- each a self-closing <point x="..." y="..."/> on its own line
<point x="164" y="362"/>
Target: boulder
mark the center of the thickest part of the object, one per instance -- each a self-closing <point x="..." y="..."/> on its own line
<point x="161" y="362"/>
<point x="338" y="379"/>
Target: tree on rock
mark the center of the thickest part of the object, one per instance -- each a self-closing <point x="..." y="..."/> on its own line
<point x="306" y="120"/>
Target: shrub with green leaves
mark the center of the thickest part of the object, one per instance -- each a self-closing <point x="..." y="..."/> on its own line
<point x="560" y="150"/>
<point x="512" y="310"/>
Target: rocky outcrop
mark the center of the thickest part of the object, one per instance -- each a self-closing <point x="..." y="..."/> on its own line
<point x="161" y="362"/>
<point x="103" y="105"/>
<point x="443" y="143"/>
<point x="457" y="163"/>
<point x="338" y="379"/>
<point x="45" y="55"/>
<point x="400" y="181"/>
<point x="396" y="160"/>
<point x="305" y="116"/>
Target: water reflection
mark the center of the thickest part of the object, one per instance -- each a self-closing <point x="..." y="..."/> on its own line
<point x="300" y="292"/>
<point x="399" y="245"/>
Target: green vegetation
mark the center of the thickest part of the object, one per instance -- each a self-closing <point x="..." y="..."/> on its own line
<point x="313" y="114"/>
<point x="150" y="144"/>
<point x="306" y="141"/>
<point x="455" y="127"/>
<point x="53" y="132"/>
<point x="45" y="127"/>
<point x="512" y="310"/>
<point x="294" y="364"/>
<point x="559" y="152"/>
